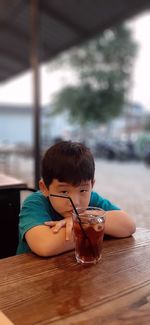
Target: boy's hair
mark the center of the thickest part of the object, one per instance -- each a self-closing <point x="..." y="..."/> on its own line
<point x="67" y="161"/>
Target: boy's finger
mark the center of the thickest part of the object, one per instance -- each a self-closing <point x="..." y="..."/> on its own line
<point x="68" y="230"/>
<point x="50" y="223"/>
<point x="59" y="225"/>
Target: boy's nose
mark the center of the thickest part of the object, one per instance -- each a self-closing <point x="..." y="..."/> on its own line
<point x="75" y="200"/>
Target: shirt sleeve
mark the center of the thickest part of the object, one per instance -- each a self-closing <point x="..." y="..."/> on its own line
<point x="99" y="201"/>
<point x="34" y="212"/>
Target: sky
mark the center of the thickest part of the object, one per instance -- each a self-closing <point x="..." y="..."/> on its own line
<point x="19" y="90"/>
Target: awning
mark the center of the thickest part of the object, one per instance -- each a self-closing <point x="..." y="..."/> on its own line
<point x="61" y="25"/>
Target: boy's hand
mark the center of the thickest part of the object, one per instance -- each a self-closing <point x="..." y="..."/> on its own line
<point x="57" y="225"/>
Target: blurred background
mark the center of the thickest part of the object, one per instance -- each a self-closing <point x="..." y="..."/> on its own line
<point x="96" y="93"/>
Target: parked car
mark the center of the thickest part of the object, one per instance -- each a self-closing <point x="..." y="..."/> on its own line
<point x="116" y="150"/>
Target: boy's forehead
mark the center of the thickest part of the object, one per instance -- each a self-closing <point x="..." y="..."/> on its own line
<point x="57" y="183"/>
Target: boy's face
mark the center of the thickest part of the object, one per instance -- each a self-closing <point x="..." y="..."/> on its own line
<point x="80" y="195"/>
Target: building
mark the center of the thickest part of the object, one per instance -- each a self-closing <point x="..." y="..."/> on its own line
<point x="17" y="125"/>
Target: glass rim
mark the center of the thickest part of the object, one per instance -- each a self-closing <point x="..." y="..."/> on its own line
<point x="81" y="211"/>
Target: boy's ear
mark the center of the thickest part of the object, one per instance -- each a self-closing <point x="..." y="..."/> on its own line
<point x="93" y="182"/>
<point x="43" y="187"/>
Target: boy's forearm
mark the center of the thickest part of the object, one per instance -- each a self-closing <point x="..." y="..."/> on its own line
<point x="59" y="244"/>
<point x="119" y="224"/>
<point x="42" y="241"/>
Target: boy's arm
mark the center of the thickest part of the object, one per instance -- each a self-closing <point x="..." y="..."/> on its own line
<point x="119" y="224"/>
<point x="44" y="242"/>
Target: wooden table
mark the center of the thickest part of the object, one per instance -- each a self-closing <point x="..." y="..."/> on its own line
<point x="57" y="290"/>
<point x="8" y="182"/>
<point x="10" y="188"/>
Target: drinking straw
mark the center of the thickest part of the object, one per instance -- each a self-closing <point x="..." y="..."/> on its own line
<point x="69" y="198"/>
<point x="77" y="214"/>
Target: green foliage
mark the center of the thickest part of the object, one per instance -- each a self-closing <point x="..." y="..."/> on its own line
<point x="103" y="67"/>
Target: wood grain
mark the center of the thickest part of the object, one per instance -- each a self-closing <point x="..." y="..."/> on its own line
<point x="57" y="290"/>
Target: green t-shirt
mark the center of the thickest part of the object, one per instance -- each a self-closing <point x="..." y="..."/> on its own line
<point x="37" y="209"/>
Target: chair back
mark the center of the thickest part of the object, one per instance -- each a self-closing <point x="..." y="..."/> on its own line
<point x="9" y="220"/>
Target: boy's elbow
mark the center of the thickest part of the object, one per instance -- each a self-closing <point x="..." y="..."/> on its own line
<point x="128" y="225"/>
<point x="131" y="228"/>
<point x="128" y="229"/>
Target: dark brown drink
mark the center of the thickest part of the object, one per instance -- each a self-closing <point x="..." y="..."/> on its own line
<point x="88" y="236"/>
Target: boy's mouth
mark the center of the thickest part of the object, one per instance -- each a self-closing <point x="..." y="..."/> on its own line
<point x="68" y="213"/>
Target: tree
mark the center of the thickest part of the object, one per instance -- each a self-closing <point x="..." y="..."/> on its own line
<point x="103" y="67"/>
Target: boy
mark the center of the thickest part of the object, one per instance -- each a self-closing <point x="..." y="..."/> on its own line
<point x="45" y="225"/>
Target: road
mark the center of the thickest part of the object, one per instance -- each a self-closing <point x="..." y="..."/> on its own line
<point x="128" y="185"/>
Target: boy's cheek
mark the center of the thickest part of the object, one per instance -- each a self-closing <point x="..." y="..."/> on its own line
<point x="67" y="215"/>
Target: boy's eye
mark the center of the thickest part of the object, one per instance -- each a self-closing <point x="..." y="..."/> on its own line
<point x="82" y="191"/>
<point x="64" y="192"/>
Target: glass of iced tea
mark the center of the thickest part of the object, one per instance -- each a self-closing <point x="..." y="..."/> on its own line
<point x="88" y="228"/>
